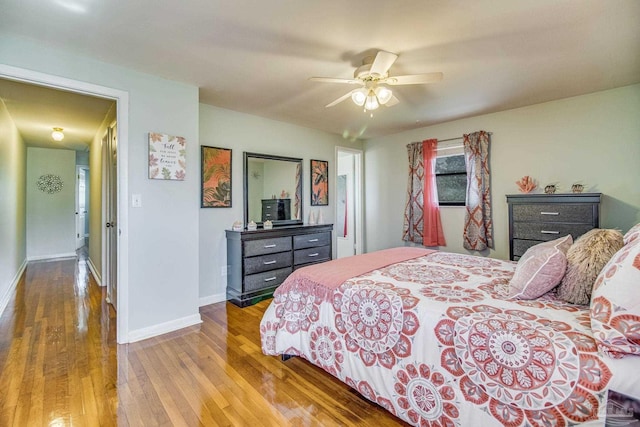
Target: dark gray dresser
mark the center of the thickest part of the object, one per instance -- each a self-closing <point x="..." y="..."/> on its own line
<point x="536" y="218"/>
<point x="259" y="261"/>
<point x="276" y="209"/>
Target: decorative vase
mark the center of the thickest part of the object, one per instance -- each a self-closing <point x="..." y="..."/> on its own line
<point x="312" y="218"/>
<point x="320" y="219"/>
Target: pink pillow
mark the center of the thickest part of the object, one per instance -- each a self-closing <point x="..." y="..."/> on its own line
<point x="540" y="269"/>
<point x="615" y="303"/>
<point x="632" y="234"/>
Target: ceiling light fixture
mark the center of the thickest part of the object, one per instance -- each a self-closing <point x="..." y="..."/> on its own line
<point x="57" y="134"/>
<point x="371" y="97"/>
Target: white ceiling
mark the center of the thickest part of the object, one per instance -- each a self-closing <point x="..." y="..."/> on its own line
<point x="256" y="56"/>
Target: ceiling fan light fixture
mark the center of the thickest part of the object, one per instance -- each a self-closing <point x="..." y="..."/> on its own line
<point x="57" y="134"/>
<point x="359" y="97"/>
<point x="372" y="102"/>
<point x="383" y="94"/>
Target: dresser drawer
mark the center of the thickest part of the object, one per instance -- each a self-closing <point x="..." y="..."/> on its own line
<point x="548" y="231"/>
<point x="310" y="255"/>
<point x="543" y="212"/>
<point x="267" y="262"/>
<point x="267" y="246"/>
<point x="264" y="280"/>
<point x="521" y="246"/>
<point x="311" y="240"/>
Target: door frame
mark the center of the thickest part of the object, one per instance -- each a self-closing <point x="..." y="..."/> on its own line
<point x="122" y="117"/>
<point x="357" y="197"/>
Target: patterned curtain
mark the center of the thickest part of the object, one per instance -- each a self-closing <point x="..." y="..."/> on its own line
<point x="432" y="233"/>
<point x="413" y="210"/>
<point x="298" y="196"/>
<point x="478" y="226"/>
<point x="422" y="214"/>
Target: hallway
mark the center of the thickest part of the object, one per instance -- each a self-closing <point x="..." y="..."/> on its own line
<point x="57" y="349"/>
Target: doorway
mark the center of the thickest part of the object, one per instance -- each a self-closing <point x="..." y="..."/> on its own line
<point x="348" y="200"/>
<point x="119" y="192"/>
<point x="82" y="206"/>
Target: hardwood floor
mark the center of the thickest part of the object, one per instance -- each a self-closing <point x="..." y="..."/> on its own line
<point x="61" y="367"/>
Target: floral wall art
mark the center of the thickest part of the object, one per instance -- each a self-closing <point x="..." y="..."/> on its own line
<point x="319" y="183"/>
<point x="167" y="156"/>
<point x="216" y="177"/>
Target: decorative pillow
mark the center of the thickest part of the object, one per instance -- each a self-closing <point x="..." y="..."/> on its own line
<point x="632" y="234"/>
<point x="540" y="269"/>
<point x="615" y="305"/>
<point x="585" y="259"/>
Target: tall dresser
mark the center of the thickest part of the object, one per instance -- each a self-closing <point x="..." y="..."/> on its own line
<point x="259" y="261"/>
<point x="536" y="218"/>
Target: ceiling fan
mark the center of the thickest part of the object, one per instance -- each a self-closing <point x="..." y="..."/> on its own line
<point x="373" y="77"/>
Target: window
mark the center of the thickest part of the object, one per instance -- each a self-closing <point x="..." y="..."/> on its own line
<point x="451" y="179"/>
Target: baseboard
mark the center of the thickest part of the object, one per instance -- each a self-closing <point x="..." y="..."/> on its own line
<point x="94" y="272"/>
<point x="212" y="299"/>
<point x="53" y="257"/>
<point x="12" y="287"/>
<point x="163" y="328"/>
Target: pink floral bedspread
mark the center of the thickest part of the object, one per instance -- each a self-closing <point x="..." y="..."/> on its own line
<point x="435" y="342"/>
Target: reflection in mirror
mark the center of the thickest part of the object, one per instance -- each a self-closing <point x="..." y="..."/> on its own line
<point x="273" y="189"/>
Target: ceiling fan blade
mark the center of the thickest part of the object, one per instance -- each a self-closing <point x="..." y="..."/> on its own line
<point x="393" y="101"/>
<point x="382" y="63"/>
<point x="335" y="80"/>
<point x="339" y="100"/>
<point x="414" y="79"/>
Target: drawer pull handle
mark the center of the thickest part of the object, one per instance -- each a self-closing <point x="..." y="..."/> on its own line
<point x="312" y="240"/>
<point x="549" y="232"/>
<point x="267" y="214"/>
<point x="270" y="279"/>
<point x="269" y="262"/>
<point x="313" y="254"/>
<point x="270" y="246"/>
<point x="549" y="213"/>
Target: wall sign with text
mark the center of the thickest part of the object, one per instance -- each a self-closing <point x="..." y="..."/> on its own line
<point x="167" y="157"/>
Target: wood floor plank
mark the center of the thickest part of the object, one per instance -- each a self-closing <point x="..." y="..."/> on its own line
<point x="60" y="365"/>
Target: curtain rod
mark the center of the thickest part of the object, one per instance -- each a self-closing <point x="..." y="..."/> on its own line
<point x="460" y="137"/>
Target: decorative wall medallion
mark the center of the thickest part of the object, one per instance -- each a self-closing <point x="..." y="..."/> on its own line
<point x="50" y="184"/>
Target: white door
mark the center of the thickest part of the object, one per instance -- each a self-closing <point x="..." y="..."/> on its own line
<point x="81" y="206"/>
<point x="110" y="209"/>
<point x="348" y="198"/>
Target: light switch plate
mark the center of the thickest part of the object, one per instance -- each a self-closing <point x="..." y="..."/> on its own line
<point x="136" y="200"/>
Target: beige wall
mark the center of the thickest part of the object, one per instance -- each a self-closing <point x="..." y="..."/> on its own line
<point x="244" y="132"/>
<point x="594" y="139"/>
<point x="51" y="226"/>
<point x="13" y="166"/>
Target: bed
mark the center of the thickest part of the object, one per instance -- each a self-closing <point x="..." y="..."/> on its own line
<point x="432" y="338"/>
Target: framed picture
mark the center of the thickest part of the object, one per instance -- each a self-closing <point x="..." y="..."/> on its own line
<point x="215" y="166"/>
<point x="167" y="156"/>
<point x="319" y="183"/>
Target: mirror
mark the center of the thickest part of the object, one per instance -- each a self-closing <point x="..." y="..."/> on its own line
<point x="272" y="189"/>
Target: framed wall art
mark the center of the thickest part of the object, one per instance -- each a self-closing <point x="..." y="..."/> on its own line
<point x="216" y="177"/>
<point x="319" y="183"/>
<point x="167" y="156"/>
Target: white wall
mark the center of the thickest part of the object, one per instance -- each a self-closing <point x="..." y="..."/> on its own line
<point x="162" y="235"/>
<point x="243" y="132"/>
<point x="51" y="226"/>
<point x="13" y="167"/>
<point x="593" y="138"/>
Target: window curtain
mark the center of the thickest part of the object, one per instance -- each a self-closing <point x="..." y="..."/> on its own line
<point x="422" y="214"/>
<point x="478" y="226"/>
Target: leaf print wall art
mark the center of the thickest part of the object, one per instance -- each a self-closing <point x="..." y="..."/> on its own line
<point x="167" y="156"/>
<point x="216" y="177"/>
<point x="319" y="183"/>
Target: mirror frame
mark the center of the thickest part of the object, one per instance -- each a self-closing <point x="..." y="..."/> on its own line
<point x="299" y="188"/>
